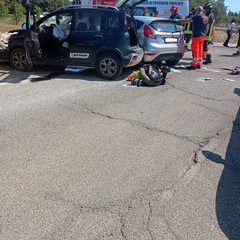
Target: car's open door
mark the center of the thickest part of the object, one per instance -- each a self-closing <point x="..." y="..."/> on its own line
<point x="128" y="5"/>
<point x="31" y="40"/>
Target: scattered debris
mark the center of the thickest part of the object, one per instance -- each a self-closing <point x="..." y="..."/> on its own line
<point x="235" y="71"/>
<point x="74" y="69"/>
<point x="228" y="79"/>
<point x="211" y="70"/>
<point x="175" y="70"/>
<point x="203" y="79"/>
<point x="4" y="45"/>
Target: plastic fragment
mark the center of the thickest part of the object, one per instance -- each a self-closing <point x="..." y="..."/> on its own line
<point x="228" y="79"/>
<point x="175" y="70"/>
<point x="203" y="79"/>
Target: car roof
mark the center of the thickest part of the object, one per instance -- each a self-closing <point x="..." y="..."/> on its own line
<point x="148" y="19"/>
<point x="87" y="6"/>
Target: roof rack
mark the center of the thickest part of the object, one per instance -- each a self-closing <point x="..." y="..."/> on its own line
<point x="86" y="6"/>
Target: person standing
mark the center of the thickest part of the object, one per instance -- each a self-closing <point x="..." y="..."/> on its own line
<point x="207" y="10"/>
<point x="145" y="12"/>
<point x="200" y="23"/>
<point x="174" y="12"/>
<point x="230" y="28"/>
<point x="187" y="28"/>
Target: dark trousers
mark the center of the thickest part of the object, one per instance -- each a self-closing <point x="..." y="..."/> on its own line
<point x="187" y="38"/>
<point x="228" y="38"/>
<point x="238" y="43"/>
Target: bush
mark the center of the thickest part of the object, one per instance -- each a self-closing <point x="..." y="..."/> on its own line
<point x="3" y="11"/>
<point x="18" y="12"/>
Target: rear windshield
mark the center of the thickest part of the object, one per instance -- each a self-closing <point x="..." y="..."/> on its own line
<point x="161" y="26"/>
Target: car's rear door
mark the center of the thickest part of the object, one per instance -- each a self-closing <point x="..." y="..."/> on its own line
<point x="87" y="36"/>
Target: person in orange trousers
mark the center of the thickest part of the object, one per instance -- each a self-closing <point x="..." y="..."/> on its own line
<point x="200" y="27"/>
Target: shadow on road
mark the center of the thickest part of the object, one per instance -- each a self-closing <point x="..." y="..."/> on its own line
<point x="43" y="73"/>
<point x="228" y="192"/>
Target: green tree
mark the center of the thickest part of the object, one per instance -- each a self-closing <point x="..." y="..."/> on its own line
<point x="50" y="5"/>
<point x="220" y="11"/>
<point x="37" y="10"/>
<point x="219" y="8"/>
<point x="3" y="9"/>
<point x="18" y="11"/>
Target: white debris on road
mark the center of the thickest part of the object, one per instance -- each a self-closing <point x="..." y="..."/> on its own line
<point x="4" y="40"/>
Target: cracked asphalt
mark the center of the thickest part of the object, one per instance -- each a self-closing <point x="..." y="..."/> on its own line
<point x="87" y="159"/>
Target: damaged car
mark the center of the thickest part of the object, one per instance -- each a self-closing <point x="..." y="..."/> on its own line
<point x="102" y="37"/>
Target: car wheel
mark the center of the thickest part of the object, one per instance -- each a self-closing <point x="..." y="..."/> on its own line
<point x="172" y="62"/>
<point x="109" y="66"/>
<point x="19" y="60"/>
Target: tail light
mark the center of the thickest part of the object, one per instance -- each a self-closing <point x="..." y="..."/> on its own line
<point x="148" y="32"/>
<point x="125" y="23"/>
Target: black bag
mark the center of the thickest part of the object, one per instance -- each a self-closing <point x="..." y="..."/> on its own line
<point x="152" y="75"/>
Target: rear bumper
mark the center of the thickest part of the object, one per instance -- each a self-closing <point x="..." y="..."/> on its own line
<point x="133" y="58"/>
<point x="161" y="54"/>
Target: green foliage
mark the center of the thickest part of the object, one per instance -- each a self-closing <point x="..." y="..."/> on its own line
<point x="50" y="5"/>
<point x="37" y="11"/>
<point x="220" y="11"/>
<point x="3" y="11"/>
<point x="219" y="8"/>
<point x="18" y="11"/>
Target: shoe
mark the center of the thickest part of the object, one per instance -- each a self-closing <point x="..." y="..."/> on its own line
<point x="207" y="62"/>
<point x="198" y="67"/>
<point x="191" y="68"/>
<point x="225" y="45"/>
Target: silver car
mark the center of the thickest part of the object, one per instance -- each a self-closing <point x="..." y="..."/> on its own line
<point x="162" y="40"/>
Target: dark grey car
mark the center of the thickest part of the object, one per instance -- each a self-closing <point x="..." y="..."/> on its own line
<point x="102" y="37"/>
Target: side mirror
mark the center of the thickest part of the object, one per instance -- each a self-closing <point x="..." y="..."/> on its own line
<point x="24" y="26"/>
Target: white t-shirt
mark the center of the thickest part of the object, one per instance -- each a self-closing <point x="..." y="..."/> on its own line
<point x="231" y="26"/>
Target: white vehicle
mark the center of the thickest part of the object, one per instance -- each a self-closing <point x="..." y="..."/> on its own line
<point x="162" y="7"/>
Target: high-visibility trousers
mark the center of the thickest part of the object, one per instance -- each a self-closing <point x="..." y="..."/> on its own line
<point x="197" y="49"/>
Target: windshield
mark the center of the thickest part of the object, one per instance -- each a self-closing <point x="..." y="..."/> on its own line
<point x="162" y="26"/>
<point x="62" y="20"/>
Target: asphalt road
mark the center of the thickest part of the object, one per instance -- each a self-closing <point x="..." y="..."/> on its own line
<point x="87" y="159"/>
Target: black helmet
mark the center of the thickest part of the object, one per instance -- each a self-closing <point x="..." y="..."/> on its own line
<point x="193" y="10"/>
<point x="207" y="6"/>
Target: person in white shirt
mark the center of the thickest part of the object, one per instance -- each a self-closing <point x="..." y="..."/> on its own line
<point x="230" y="28"/>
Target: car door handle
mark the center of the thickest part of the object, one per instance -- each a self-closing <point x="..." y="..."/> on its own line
<point x="98" y="36"/>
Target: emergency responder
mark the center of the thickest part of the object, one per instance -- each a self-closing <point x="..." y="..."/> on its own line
<point x="187" y="28"/>
<point x="174" y="12"/>
<point x="200" y="23"/>
<point x="207" y="10"/>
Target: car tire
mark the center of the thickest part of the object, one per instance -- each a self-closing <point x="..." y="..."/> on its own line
<point x="172" y="62"/>
<point x="19" y="60"/>
<point x="109" y="66"/>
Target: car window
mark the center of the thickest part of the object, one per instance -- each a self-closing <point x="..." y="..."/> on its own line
<point x="61" y="20"/>
<point x="139" y="24"/>
<point x="162" y="26"/>
<point x="88" y="21"/>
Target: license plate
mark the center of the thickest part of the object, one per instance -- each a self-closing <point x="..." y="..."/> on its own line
<point x="170" y="40"/>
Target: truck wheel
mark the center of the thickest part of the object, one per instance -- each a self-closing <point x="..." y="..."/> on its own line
<point x="19" y="60"/>
<point x="109" y="66"/>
